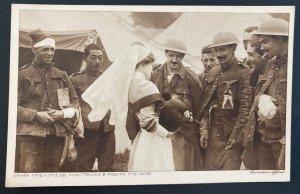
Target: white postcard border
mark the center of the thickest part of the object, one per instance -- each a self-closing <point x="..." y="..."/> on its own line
<point x="137" y="178"/>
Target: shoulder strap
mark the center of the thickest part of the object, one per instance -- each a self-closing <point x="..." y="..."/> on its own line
<point x="24" y="66"/>
<point x="268" y="82"/>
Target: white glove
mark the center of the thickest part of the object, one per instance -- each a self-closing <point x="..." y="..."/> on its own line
<point x="266" y="106"/>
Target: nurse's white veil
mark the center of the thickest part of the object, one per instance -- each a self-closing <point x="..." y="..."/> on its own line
<point x="110" y="90"/>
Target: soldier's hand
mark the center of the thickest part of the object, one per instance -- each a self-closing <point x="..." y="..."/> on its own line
<point x="43" y="117"/>
<point x="260" y="118"/>
<point x="274" y="101"/>
<point x="231" y="142"/>
<point x="56" y="115"/>
<point x="204" y="141"/>
<point x="187" y="116"/>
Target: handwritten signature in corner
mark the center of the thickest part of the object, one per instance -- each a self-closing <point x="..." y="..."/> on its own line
<point x="273" y="172"/>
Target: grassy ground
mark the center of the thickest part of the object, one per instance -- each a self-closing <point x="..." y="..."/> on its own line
<point x="121" y="162"/>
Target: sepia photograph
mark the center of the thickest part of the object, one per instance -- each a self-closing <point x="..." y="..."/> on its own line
<point x="138" y="95"/>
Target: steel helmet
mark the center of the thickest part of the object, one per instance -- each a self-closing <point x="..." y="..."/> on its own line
<point x="248" y="33"/>
<point x="224" y="38"/>
<point x="175" y="44"/>
<point x="274" y="26"/>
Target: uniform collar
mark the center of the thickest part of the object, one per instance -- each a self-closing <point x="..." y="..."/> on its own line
<point x="280" y="61"/>
<point x="42" y="67"/>
<point x="180" y="72"/>
<point x="93" y="73"/>
<point x="232" y="61"/>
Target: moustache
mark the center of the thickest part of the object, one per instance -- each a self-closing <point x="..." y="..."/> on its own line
<point x="96" y="65"/>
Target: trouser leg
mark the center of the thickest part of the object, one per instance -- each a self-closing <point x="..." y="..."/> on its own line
<point x="186" y="154"/>
<point x="265" y="156"/>
<point x="276" y="149"/>
<point x="106" y="151"/>
<point x="232" y="158"/>
<point x="53" y="153"/>
<point x="31" y="153"/>
<point x="86" y="151"/>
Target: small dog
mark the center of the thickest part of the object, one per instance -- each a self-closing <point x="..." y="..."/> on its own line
<point x="171" y="115"/>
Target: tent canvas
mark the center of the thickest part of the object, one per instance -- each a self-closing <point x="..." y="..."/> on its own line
<point x="69" y="48"/>
<point x="197" y="30"/>
<point x="115" y="34"/>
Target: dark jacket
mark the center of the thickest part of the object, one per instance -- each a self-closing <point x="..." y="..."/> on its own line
<point x="81" y="81"/>
<point x="232" y="80"/>
<point x="202" y="77"/>
<point x="186" y="85"/>
<point x="275" y="76"/>
<point x="37" y="91"/>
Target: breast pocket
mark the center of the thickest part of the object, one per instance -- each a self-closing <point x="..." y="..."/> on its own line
<point x="34" y="87"/>
<point x="57" y="82"/>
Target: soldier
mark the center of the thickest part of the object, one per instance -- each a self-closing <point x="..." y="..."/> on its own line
<point x="172" y="77"/>
<point x="254" y="59"/>
<point x="99" y="141"/>
<point x="248" y="35"/>
<point x="224" y="106"/>
<point x="209" y="60"/>
<point x="47" y="106"/>
<point x="265" y="131"/>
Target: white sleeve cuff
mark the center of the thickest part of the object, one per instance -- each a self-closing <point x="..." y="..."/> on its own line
<point x="160" y="131"/>
<point x="69" y="113"/>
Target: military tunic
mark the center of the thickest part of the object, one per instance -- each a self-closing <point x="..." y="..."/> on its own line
<point x="185" y="143"/>
<point x="41" y="145"/>
<point x="223" y="110"/>
<point x="264" y="137"/>
<point x="99" y="136"/>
